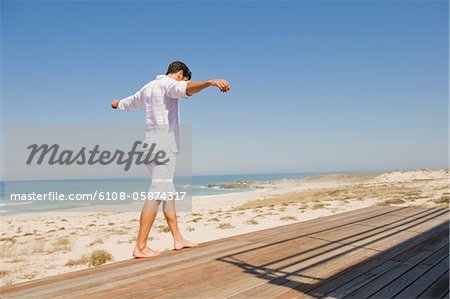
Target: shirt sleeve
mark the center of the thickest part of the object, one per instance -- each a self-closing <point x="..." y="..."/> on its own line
<point x="132" y="102"/>
<point x="177" y="89"/>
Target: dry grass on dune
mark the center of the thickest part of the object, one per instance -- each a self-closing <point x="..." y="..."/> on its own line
<point x="225" y="226"/>
<point x="347" y="178"/>
<point x="388" y="194"/>
<point x="96" y="258"/>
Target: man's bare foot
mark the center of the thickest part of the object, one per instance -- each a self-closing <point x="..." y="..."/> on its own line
<point x="146" y="252"/>
<point x="180" y="244"/>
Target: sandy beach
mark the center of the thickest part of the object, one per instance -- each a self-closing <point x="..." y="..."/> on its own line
<point x="39" y="245"/>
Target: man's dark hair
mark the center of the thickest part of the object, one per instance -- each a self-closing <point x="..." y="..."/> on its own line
<point x="177" y="66"/>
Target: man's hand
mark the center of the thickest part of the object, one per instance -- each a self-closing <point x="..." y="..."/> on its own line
<point x="222" y="84"/>
<point x="115" y="104"/>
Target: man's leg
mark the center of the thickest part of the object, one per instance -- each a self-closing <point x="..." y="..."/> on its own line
<point x="148" y="215"/>
<point x="171" y="217"/>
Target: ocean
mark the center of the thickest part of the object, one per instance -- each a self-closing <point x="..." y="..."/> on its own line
<point x="202" y="185"/>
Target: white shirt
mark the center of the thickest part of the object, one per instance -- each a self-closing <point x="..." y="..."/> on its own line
<point x="160" y="99"/>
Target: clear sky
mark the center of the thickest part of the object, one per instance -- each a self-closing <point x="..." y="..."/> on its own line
<point x="316" y="86"/>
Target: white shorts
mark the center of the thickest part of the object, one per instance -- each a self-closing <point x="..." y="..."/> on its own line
<point x="161" y="176"/>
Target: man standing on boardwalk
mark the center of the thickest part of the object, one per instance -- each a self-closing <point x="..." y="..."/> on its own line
<point x="160" y="100"/>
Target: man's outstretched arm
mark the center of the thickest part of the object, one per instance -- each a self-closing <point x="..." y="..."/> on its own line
<point x="130" y="103"/>
<point x="193" y="87"/>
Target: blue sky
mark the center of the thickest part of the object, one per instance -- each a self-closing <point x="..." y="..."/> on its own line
<point x="316" y="86"/>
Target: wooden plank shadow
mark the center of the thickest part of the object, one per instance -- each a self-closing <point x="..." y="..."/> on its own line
<point x="378" y="261"/>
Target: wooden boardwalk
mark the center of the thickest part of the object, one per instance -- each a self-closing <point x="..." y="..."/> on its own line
<point x="376" y="252"/>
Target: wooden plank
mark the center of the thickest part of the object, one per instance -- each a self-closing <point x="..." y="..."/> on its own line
<point x="447" y="215"/>
<point x="305" y="231"/>
<point x="193" y="281"/>
<point x="303" y="275"/>
<point x="132" y="263"/>
<point x="431" y="217"/>
<point x="271" y="253"/>
<point x="392" y="282"/>
<point x="350" y="229"/>
<point x="222" y="280"/>
<point x="321" y="271"/>
<point x="142" y="265"/>
<point x="121" y="276"/>
<point x="426" y="280"/>
<point x="308" y="230"/>
<point x="253" y="274"/>
<point x="129" y="266"/>
<point x="304" y="286"/>
<point x="283" y="232"/>
<point x="265" y="237"/>
<point x="438" y="289"/>
<point x="369" y="238"/>
<point x="414" y="250"/>
<point x="388" y="219"/>
<point x="404" y="212"/>
<point x="208" y="269"/>
<point x="344" y="219"/>
<point x="343" y="233"/>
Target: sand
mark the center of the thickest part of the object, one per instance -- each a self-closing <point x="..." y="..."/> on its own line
<point x="39" y="245"/>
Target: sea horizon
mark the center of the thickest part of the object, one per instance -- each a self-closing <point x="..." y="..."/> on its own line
<point x="195" y="186"/>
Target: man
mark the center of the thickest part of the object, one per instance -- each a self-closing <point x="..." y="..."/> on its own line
<point x="160" y="100"/>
